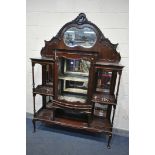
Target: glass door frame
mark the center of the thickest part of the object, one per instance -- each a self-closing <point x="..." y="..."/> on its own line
<point x="89" y="58"/>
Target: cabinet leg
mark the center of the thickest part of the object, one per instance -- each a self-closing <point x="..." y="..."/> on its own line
<point x="109" y="140"/>
<point x="92" y="112"/>
<point x="34" y="125"/>
<point x="89" y="120"/>
<point x="53" y="114"/>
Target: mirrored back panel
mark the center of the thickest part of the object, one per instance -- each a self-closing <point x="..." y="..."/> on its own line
<point x="85" y="37"/>
<point x="103" y="82"/>
<point x="76" y="66"/>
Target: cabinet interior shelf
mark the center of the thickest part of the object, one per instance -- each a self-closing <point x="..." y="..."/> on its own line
<point x="77" y="73"/>
<point x="73" y="78"/>
<point x="76" y="90"/>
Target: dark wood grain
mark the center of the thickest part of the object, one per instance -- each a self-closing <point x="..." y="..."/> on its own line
<point x="76" y="114"/>
<point x="105" y="50"/>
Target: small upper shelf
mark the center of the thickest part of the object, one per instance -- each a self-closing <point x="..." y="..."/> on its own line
<point x="42" y="60"/>
<point x="104" y="99"/>
<point x="109" y="65"/>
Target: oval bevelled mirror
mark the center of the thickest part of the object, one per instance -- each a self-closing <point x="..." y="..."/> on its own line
<point x="85" y="37"/>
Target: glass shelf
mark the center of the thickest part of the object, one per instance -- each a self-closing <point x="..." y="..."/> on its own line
<point x="73" y="78"/>
<point x="75" y="90"/>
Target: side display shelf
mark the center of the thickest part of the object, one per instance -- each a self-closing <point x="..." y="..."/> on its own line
<point x="46" y="90"/>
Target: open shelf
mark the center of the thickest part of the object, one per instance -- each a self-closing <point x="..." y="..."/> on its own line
<point x="103" y="98"/>
<point x="44" y="90"/>
<point x="97" y="124"/>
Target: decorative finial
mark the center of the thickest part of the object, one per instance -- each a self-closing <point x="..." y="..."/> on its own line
<point x="81" y="19"/>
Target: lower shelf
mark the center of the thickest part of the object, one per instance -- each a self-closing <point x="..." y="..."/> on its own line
<point x="97" y="125"/>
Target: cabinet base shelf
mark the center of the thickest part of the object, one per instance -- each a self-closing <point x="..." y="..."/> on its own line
<point x="97" y="125"/>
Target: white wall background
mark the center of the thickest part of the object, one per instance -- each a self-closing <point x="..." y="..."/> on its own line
<point x="46" y="17"/>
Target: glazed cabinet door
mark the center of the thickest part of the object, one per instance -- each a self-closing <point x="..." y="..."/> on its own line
<point x="73" y="78"/>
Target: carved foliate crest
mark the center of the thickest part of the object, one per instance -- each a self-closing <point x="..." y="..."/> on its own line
<point x="80" y="19"/>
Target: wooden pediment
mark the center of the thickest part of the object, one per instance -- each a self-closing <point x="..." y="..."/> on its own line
<point x="105" y="50"/>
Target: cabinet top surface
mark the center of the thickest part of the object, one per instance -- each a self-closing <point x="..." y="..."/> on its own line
<point x="97" y="63"/>
<point x="101" y="63"/>
<point x="42" y="59"/>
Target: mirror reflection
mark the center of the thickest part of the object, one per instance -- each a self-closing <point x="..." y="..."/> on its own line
<point x="84" y="37"/>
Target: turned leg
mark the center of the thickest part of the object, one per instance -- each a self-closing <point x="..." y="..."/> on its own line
<point x="34" y="110"/>
<point x="89" y="119"/>
<point x="34" y="125"/>
<point x="92" y="111"/>
<point x="109" y="140"/>
<point x="53" y="114"/>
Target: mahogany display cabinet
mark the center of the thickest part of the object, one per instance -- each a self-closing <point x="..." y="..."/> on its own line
<point x="80" y="79"/>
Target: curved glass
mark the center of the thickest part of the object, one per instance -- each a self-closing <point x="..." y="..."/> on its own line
<point x="84" y="37"/>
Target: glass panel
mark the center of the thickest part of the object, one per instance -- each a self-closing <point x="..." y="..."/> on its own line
<point x="84" y="37"/>
<point x="103" y="80"/>
<point x="49" y="72"/>
<point x="73" y="80"/>
<point x="100" y="110"/>
<point x="78" y="67"/>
